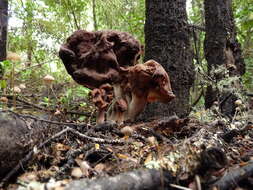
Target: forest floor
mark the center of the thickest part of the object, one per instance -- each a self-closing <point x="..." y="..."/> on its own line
<point x="193" y="154"/>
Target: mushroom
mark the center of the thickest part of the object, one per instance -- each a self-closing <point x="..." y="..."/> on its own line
<point x="144" y="83"/>
<point x="109" y="57"/>
<point x="94" y="58"/>
<point x="238" y="102"/>
<point x="16" y="90"/>
<point x="101" y="97"/>
<point x="12" y="56"/>
<point x="4" y="99"/>
<point x="127" y="131"/>
<point x="48" y="79"/>
<point x="117" y="110"/>
<point x="22" y="86"/>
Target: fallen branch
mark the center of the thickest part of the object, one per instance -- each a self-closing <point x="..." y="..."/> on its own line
<point x="32" y="152"/>
<point x="228" y="136"/>
<point x="44" y="108"/>
<point x="135" y="180"/>
<point x="44" y="120"/>
<point x="71" y="155"/>
<point x="95" y="139"/>
<point x="231" y="180"/>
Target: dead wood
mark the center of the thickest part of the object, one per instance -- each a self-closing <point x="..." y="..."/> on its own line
<point x="30" y="154"/>
<point x="13" y="143"/>
<point x="96" y="140"/>
<point x="228" y="136"/>
<point x="71" y="155"/>
<point x="231" y="179"/>
<point x="135" y="180"/>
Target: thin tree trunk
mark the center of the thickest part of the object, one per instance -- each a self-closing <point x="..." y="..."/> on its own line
<point x="3" y="28"/>
<point x="167" y="41"/>
<point x="94" y="15"/>
<point x="221" y="46"/>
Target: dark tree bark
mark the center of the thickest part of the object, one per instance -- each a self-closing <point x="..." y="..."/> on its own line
<point x="221" y="46"/>
<point x="3" y="28"/>
<point x="167" y="42"/>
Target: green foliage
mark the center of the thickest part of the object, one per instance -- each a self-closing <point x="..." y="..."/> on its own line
<point x="38" y="28"/>
<point x="243" y="10"/>
<point x="122" y="15"/>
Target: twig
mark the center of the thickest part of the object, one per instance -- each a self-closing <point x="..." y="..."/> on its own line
<point x="179" y="187"/>
<point x="71" y="155"/>
<point x="44" y="120"/>
<point x="32" y="152"/>
<point x="198" y="99"/>
<point x="95" y="139"/>
<point x="37" y="65"/>
<point x="74" y="15"/>
<point x="198" y="183"/>
<point x="46" y="109"/>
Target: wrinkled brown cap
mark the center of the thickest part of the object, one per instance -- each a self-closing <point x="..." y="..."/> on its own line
<point x="151" y="80"/>
<point x="94" y="58"/>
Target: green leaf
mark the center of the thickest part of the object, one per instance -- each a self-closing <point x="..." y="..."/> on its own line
<point x="3" y="84"/>
<point x="6" y="63"/>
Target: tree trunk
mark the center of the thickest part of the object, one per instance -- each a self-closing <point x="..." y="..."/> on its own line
<point x="95" y="26"/>
<point x="3" y="28"/>
<point x="167" y="42"/>
<point x="221" y="46"/>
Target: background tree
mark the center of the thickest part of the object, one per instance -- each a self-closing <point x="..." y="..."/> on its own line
<point x="46" y="24"/>
<point x="221" y="49"/>
<point x="3" y="28"/>
<point x="167" y="41"/>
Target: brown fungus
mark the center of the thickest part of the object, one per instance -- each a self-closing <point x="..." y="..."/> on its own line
<point x="94" y="59"/>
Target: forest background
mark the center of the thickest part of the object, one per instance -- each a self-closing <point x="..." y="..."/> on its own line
<point x="38" y="28"/>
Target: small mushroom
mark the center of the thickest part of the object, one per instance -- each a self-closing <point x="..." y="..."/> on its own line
<point x="22" y="86"/>
<point x="152" y="141"/>
<point x="4" y="99"/>
<point x="16" y="89"/>
<point x="102" y="97"/>
<point x="117" y="110"/>
<point x="48" y="79"/>
<point x="57" y="112"/>
<point x="238" y="102"/>
<point x="13" y="56"/>
<point x="127" y="131"/>
<point x="238" y="109"/>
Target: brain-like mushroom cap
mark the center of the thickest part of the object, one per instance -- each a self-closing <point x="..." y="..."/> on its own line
<point x="149" y="78"/>
<point x="94" y="58"/>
